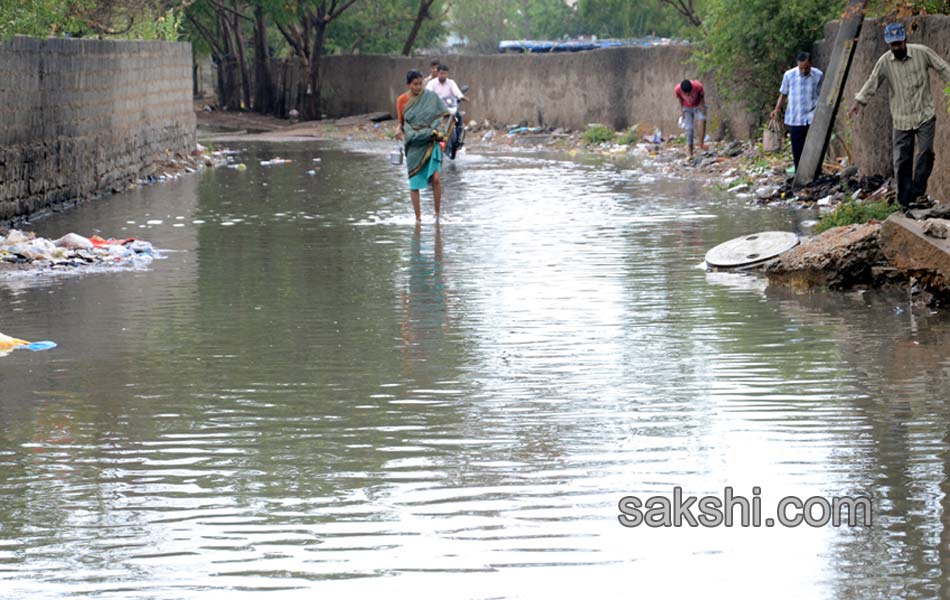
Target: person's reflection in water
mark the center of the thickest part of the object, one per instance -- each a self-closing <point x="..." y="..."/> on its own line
<point x="424" y="307"/>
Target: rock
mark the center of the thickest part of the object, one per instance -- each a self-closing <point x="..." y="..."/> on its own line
<point x="937" y="228"/>
<point x="849" y="172"/>
<point x="733" y="149"/>
<point x="489" y="135"/>
<point x="294" y="113"/>
<point x="826" y="201"/>
<point x="839" y="258"/>
<point x="765" y="192"/>
<point x="730" y="174"/>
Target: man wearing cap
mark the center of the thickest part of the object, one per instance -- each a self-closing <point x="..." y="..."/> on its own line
<point x="801" y="87"/>
<point x="905" y="69"/>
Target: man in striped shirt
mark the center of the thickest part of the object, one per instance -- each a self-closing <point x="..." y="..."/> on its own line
<point x="801" y="87"/>
<point x="906" y="70"/>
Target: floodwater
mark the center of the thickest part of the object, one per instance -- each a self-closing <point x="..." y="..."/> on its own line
<point x="309" y="394"/>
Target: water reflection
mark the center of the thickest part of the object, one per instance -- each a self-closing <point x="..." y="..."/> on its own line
<point x="425" y="315"/>
<point x="311" y="393"/>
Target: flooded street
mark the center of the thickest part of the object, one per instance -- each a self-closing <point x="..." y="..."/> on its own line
<point x="311" y="394"/>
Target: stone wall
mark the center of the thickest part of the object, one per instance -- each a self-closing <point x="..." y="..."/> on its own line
<point x="869" y="136"/>
<point x="618" y="87"/>
<point x="79" y="117"/>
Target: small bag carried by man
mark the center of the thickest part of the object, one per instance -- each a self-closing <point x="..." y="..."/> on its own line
<point x="773" y="136"/>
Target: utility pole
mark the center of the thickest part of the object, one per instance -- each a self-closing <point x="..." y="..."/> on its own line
<point x="832" y="90"/>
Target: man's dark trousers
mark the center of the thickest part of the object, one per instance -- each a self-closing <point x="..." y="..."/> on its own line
<point x="912" y="178"/>
<point x="798" y="133"/>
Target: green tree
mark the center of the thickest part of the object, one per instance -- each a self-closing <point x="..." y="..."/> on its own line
<point x="746" y="42"/>
<point x="636" y="18"/>
<point x="484" y="24"/>
<point x="384" y="26"/>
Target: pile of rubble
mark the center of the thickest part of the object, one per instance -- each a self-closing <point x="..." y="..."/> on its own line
<point x="902" y="253"/>
<point x="25" y="252"/>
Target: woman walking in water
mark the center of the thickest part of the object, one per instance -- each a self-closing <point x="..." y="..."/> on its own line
<point x="423" y="122"/>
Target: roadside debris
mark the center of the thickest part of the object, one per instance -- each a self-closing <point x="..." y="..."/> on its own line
<point x="22" y="252"/>
<point x="9" y="344"/>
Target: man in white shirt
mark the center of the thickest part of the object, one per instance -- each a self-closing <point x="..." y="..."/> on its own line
<point x="445" y="87"/>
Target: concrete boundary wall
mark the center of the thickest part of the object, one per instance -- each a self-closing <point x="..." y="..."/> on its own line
<point x="79" y="117"/>
<point x="869" y="136"/>
<point x="617" y="87"/>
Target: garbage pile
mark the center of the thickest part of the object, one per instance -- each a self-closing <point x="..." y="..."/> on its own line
<point x="827" y="191"/>
<point x="20" y="251"/>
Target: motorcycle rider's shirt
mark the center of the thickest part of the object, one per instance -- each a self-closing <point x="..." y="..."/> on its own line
<point x="444" y="90"/>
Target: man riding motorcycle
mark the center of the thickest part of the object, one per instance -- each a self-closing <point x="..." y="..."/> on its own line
<point x="450" y="93"/>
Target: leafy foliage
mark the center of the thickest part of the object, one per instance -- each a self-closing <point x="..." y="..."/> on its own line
<point x="853" y="213"/>
<point x="598" y="134"/>
<point x="381" y="27"/>
<point x="135" y="19"/>
<point x="747" y="44"/>
<point x="483" y="24"/>
<point x="631" y="18"/>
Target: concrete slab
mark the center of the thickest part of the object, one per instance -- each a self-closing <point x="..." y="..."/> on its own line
<point x="840" y="258"/>
<point x="908" y="248"/>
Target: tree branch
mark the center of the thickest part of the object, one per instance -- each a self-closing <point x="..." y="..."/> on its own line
<point x="215" y="48"/>
<point x="331" y="14"/>
<point x="230" y="10"/>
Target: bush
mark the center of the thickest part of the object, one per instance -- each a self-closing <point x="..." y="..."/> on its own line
<point x="748" y="44"/>
<point x="597" y="134"/>
<point x="852" y="213"/>
<point x="629" y="136"/>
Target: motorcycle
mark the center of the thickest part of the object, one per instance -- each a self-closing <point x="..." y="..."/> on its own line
<point x="457" y="138"/>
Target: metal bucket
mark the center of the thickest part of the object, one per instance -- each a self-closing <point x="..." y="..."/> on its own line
<point x="395" y="157"/>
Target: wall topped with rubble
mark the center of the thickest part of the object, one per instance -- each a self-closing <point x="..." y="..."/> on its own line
<point x="81" y="117"/>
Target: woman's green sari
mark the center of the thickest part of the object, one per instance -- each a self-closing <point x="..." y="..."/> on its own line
<point x="426" y="121"/>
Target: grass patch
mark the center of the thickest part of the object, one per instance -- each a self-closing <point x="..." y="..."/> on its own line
<point x="852" y="213"/>
<point x="629" y="136"/>
<point x="598" y="134"/>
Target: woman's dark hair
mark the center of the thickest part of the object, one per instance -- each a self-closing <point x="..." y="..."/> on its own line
<point x="412" y="75"/>
<point x="686" y="85"/>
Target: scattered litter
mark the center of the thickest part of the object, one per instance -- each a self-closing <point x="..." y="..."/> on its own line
<point x="275" y="161"/>
<point x="316" y="160"/>
<point x="8" y="344"/>
<point x="311" y="172"/>
<point x="518" y="130"/>
<point x="25" y="253"/>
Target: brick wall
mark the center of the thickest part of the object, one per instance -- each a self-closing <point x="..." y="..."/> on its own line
<point x="79" y="117"/>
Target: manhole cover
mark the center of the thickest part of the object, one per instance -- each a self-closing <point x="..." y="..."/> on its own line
<point x="751" y="249"/>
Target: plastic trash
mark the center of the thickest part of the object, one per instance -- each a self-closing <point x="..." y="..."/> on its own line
<point x="141" y="247"/>
<point x="275" y="161"/>
<point x="73" y="241"/>
<point x="311" y="172"/>
<point x="16" y="237"/>
<point x="518" y="130"/>
<point x="39" y="346"/>
<point x="7" y="342"/>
